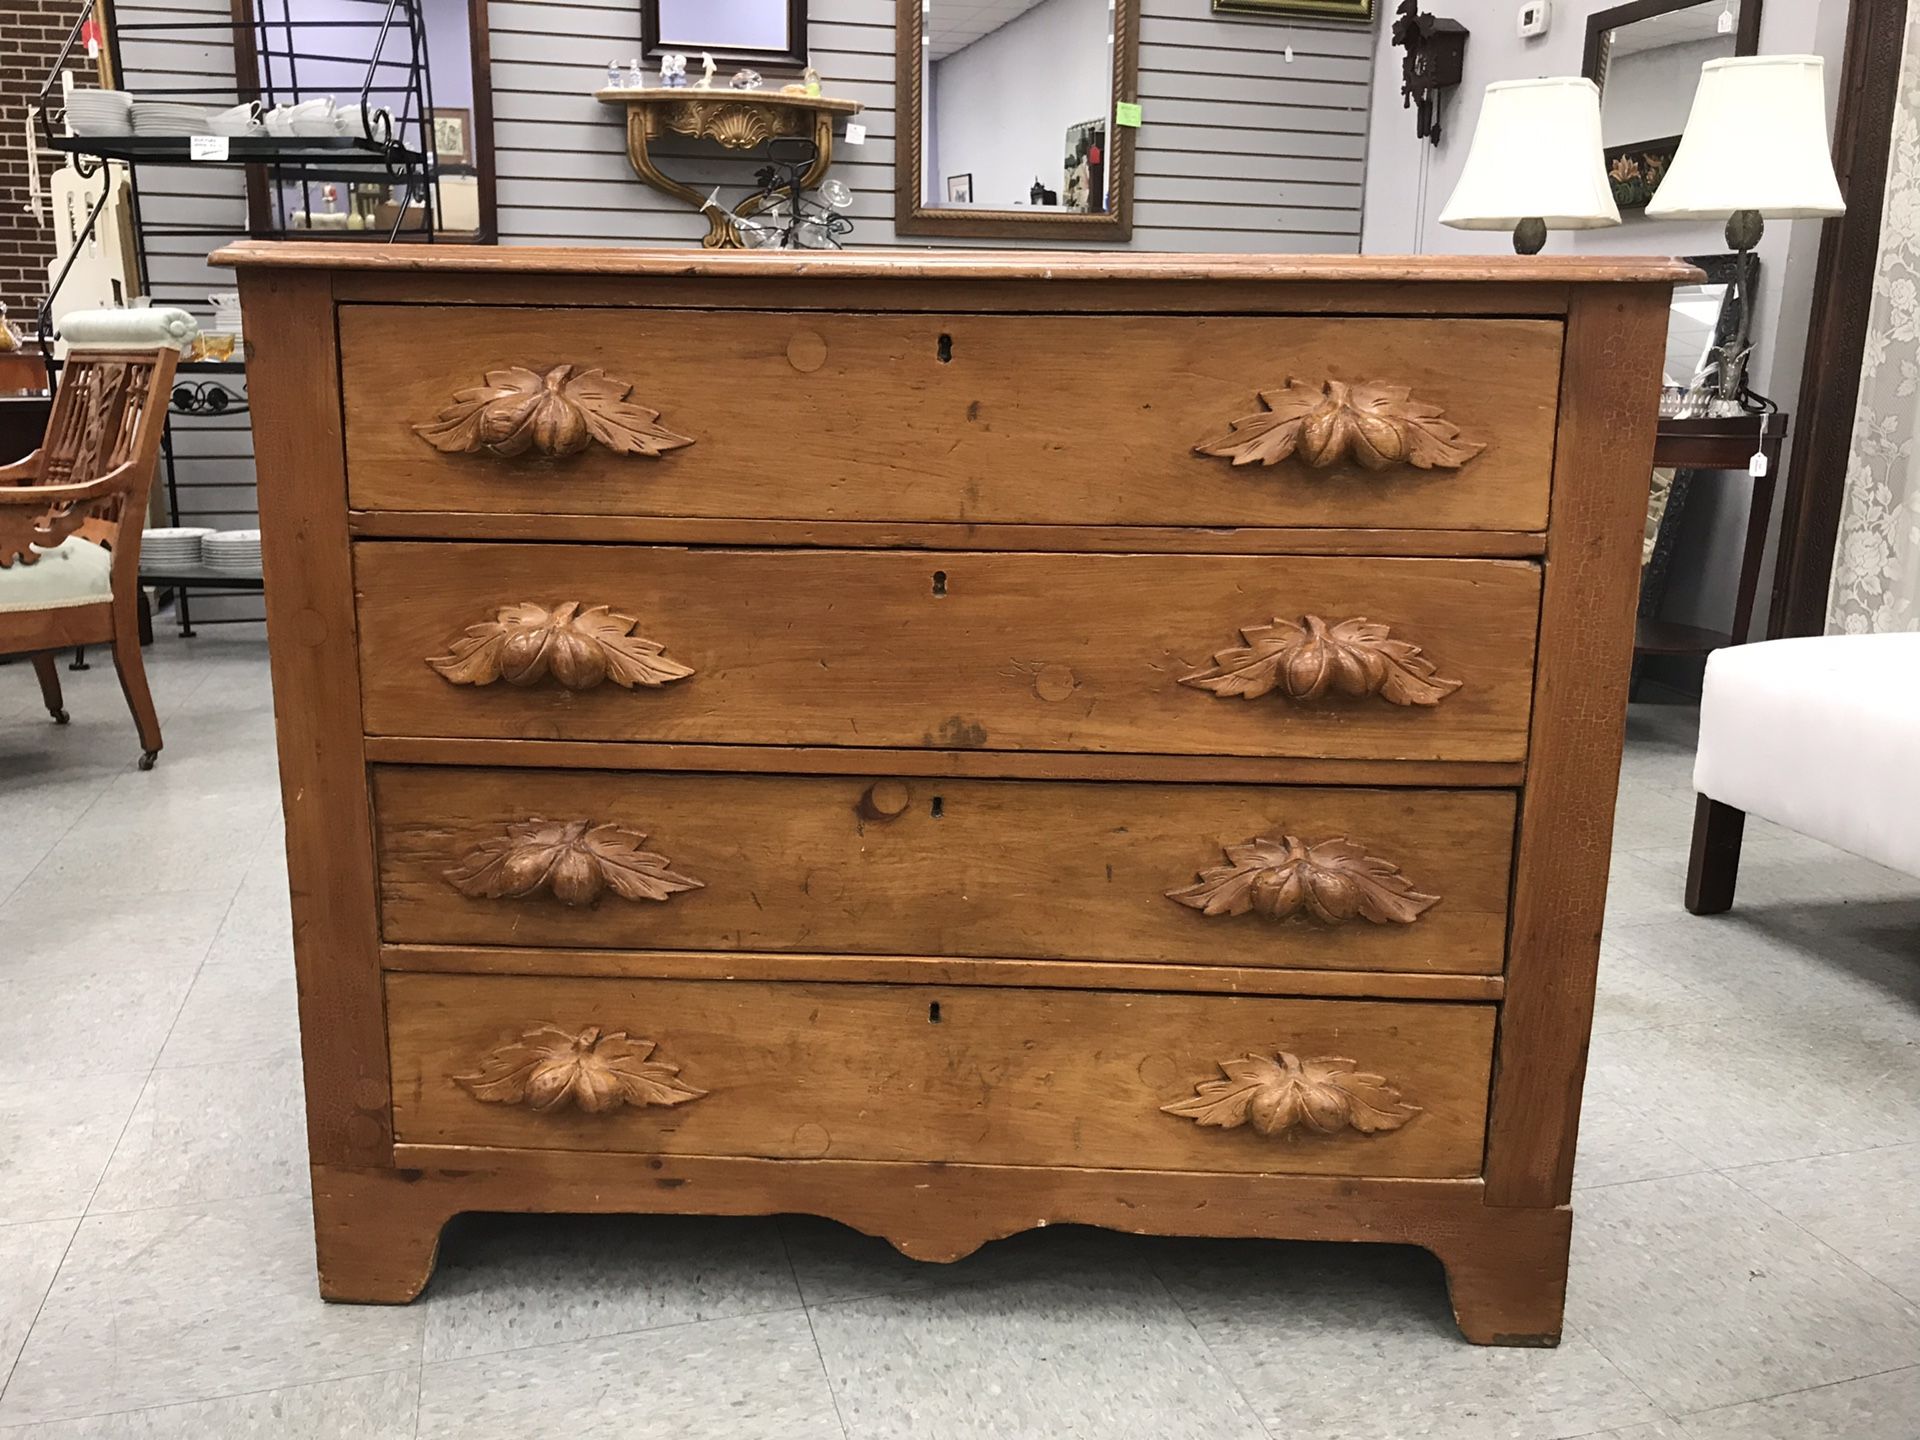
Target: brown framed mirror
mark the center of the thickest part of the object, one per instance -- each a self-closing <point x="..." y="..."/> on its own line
<point x="1006" y="118"/>
<point x="1646" y="56"/>
<point x="736" y="33"/>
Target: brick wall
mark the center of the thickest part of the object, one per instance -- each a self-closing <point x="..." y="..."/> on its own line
<point x="30" y="38"/>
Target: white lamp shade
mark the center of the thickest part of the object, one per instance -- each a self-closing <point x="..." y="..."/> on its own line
<point x="1535" y="154"/>
<point x="1756" y="140"/>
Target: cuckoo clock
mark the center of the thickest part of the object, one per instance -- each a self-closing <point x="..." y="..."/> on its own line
<point x="1436" y="51"/>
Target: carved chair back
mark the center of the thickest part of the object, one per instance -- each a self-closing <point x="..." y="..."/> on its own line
<point x="108" y="416"/>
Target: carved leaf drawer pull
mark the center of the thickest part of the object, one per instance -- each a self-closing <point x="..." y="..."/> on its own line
<point x="574" y="861"/>
<point x="525" y="643"/>
<point x="549" y="1068"/>
<point x="1307" y="659"/>
<point x="1331" y="881"/>
<point x="1372" y="425"/>
<point x="554" y="412"/>
<point x="1280" y="1093"/>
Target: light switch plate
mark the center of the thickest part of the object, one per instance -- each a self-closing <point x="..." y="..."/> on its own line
<point x="1535" y="17"/>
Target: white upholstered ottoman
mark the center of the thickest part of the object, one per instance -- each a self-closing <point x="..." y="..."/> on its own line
<point x="1821" y="735"/>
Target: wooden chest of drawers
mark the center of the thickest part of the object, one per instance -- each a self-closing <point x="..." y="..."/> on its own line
<point x="951" y="742"/>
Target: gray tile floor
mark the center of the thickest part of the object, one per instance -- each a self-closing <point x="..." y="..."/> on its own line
<point x="1747" y="1247"/>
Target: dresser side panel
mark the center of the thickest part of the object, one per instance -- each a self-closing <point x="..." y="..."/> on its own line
<point x="1603" y="458"/>
<point x="293" y="381"/>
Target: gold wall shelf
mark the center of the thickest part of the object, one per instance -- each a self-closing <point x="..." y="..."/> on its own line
<point x="735" y="119"/>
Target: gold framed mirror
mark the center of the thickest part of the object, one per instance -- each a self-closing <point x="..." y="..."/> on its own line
<point x="1007" y="115"/>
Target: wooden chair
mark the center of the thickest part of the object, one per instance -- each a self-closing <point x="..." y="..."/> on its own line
<point x="71" y="515"/>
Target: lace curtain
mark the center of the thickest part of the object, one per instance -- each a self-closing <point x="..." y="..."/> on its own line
<point x="1876" y="564"/>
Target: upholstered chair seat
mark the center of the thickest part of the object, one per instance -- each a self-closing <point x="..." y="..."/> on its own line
<point x="74" y="572"/>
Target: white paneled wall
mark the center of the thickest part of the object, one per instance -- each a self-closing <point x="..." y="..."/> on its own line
<point x="1241" y="149"/>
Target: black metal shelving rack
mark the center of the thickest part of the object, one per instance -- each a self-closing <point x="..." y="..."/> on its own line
<point x="395" y="102"/>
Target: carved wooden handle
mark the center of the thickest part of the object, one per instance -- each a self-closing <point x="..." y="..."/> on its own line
<point x="525" y="643"/>
<point x="1332" y="881"/>
<point x="1369" y="424"/>
<point x="554" y="412"/>
<point x="1280" y="1093"/>
<point x="574" y="861"/>
<point x="549" y="1068"/>
<point x="1308" y="659"/>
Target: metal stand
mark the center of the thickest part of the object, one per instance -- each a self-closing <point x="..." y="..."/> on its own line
<point x="397" y="152"/>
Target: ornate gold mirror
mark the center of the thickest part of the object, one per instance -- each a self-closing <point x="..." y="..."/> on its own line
<point x="1008" y="114"/>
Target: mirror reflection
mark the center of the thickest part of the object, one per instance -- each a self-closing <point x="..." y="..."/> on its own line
<point x="695" y="25"/>
<point x="1693" y="331"/>
<point x="1649" y="69"/>
<point x="1018" y="101"/>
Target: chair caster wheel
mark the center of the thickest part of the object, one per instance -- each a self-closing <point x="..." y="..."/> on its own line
<point x="60" y="717"/>
<point x="147" y="757"/>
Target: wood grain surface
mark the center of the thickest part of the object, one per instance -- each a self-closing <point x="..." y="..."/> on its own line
<point x="844" y="534"/>
<point x="883" y="1072"/>
<point x="316" y="692"/>
<point x="979" y="764"/>
<point x="1063" y="419"/>
<point x="524" y="260"/>
<point x="883" y="865"/>
<point x="952" y="650"/>
<point x="942" y="970"/>
<point x="1579" y="725"/>
<point x="379" y="1230"/>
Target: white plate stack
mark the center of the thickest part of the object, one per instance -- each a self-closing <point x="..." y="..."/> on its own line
<point x="100" y="112"/>
<point x="172" y="548"/>
<point x="170" y="117"/>
<point x="237" y="552"/>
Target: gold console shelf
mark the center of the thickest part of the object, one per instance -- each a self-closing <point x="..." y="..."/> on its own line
<point x="735" y="119"/>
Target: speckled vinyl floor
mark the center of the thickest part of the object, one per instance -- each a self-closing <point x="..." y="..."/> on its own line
<point x="1746" y="1247"/>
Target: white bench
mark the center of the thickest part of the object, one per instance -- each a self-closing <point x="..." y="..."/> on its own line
<point x="1821" y="735"/>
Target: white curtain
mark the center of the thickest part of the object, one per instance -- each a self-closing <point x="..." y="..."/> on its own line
<point x="1876" y="564"/>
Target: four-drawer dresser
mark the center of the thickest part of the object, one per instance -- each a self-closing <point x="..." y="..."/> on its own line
<point x="951" y="742"/>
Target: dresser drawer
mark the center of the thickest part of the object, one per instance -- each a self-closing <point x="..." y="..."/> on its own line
<point x="1062" y="419"/>
<point x="1150" y="654"/>
<point x="901" y="1072"/>
<point x="1409" y="880"/>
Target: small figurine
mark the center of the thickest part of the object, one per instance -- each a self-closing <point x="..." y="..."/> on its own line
<point x="746" y="80"/>
<point x="636" y="77"/>
<point x="673" y="70"/>
<point x="810" y="78"/>
<point x="705" y="82"/>
<point x="614" y="72"/>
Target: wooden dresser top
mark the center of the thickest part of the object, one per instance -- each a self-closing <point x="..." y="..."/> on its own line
<point x="956" y="264"/>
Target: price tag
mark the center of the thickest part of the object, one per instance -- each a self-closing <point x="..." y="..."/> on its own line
<point x="206" y="147"/>
<point x="1128" y="114"/>
<point x="856" y="134"/>
<point x="1757" y="466"/>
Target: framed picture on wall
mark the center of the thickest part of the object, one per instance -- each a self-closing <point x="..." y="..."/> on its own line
<point x="960" y="189"/>
<point x="452" y="135"/>
<point x="1357" y="10"/>
<point x="1635" y="171"/>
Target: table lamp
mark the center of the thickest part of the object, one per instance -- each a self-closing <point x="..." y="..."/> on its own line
<point x="1755" y="146"/>
<point x="1535" y="163"/>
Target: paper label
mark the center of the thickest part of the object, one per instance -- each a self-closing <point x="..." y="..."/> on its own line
<point x="856" y="134"/>
<point x="206" y="147"/>
<point x="1757" y="466"/>
<point x="1128" y="114"/>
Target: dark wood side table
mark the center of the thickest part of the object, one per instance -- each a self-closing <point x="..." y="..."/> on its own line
<point x="1719" y="444"/>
